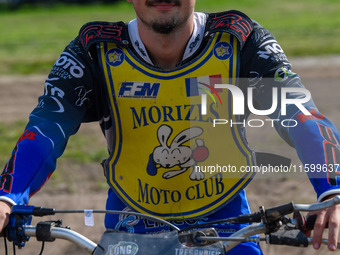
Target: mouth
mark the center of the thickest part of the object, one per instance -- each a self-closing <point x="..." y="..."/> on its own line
<point x="163" y="4"/>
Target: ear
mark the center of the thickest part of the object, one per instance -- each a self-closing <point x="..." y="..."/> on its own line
<point x="163" y="134"/>
<point x="186" y="135"/>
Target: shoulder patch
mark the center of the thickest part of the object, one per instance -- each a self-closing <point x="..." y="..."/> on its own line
<point x="233" y="22"/>
<point x="94" y="32"/>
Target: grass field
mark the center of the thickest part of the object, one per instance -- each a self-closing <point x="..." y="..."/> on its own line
<point x="32" y="37"/>
<point x="78" y="149"/>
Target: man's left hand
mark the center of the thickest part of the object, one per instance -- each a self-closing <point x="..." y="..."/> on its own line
<point x="332" y="217"/>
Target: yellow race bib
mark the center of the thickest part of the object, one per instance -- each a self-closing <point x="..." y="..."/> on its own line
<point x="167" y="159"/>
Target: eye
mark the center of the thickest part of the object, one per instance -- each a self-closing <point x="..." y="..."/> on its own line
<point x="176" y="151"/>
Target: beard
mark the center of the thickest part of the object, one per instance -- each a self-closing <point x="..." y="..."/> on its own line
<point x="164" y="26"/>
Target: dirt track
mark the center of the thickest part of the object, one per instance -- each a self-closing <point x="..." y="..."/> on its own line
<point x="19" y="96"/>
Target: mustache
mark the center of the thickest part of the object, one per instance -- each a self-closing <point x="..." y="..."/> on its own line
<point x="152" y="2"/>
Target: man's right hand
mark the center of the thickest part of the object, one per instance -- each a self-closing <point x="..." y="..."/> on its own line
<point x="5" y="211"/>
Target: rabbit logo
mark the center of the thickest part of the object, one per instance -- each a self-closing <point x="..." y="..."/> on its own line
<point x="177" y="155"/>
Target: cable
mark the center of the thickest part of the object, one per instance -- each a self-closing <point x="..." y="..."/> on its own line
<point x="42" y="248"/>
<point x="14" y="250"/>
<point x="5" y="244"/>
<point x="144" y="216"/>
<point x="246" y="218"/>
<point x="254" y="217"/>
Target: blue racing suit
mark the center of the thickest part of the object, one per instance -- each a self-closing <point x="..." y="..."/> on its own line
<point x="105" y="75"/>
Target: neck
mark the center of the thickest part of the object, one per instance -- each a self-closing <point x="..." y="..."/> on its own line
<point x="166" y="50"/>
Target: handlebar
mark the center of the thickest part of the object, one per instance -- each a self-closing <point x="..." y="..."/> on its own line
<point x="269" y="222"/>
<point x="63" y="233"/>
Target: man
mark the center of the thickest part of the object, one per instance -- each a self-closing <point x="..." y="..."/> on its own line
<point x="143" y="82"/>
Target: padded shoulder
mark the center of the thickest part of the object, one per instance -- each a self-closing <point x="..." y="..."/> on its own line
<point x="233" y="22"/>
<point x="95" y="31"/>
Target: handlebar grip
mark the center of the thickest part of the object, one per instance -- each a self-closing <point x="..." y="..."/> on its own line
<point x="292" y="237"/>
<point x="274" y="213"/>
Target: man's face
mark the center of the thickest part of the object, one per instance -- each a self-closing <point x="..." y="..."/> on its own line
<point x="163" y="16"/>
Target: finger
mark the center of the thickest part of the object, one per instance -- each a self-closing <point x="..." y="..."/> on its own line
<point x="319" y="226"/>
<point x="5" y="210"/>
<point x="333" y="224"/>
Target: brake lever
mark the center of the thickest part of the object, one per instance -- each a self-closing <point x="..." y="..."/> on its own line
<point x="303" y="223"/>
<point x="317" y="206"/>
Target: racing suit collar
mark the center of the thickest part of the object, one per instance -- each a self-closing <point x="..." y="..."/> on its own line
<point x="192" y="45"/>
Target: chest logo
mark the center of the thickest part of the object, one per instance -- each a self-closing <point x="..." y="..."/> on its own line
<point x="115" y="57"/>
<point x="138" y="89"/>
<point x="223" y="50"/>
<point x="177" y="158"/>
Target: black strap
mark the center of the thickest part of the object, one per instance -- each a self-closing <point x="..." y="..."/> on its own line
<point x="270" y="159"/>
